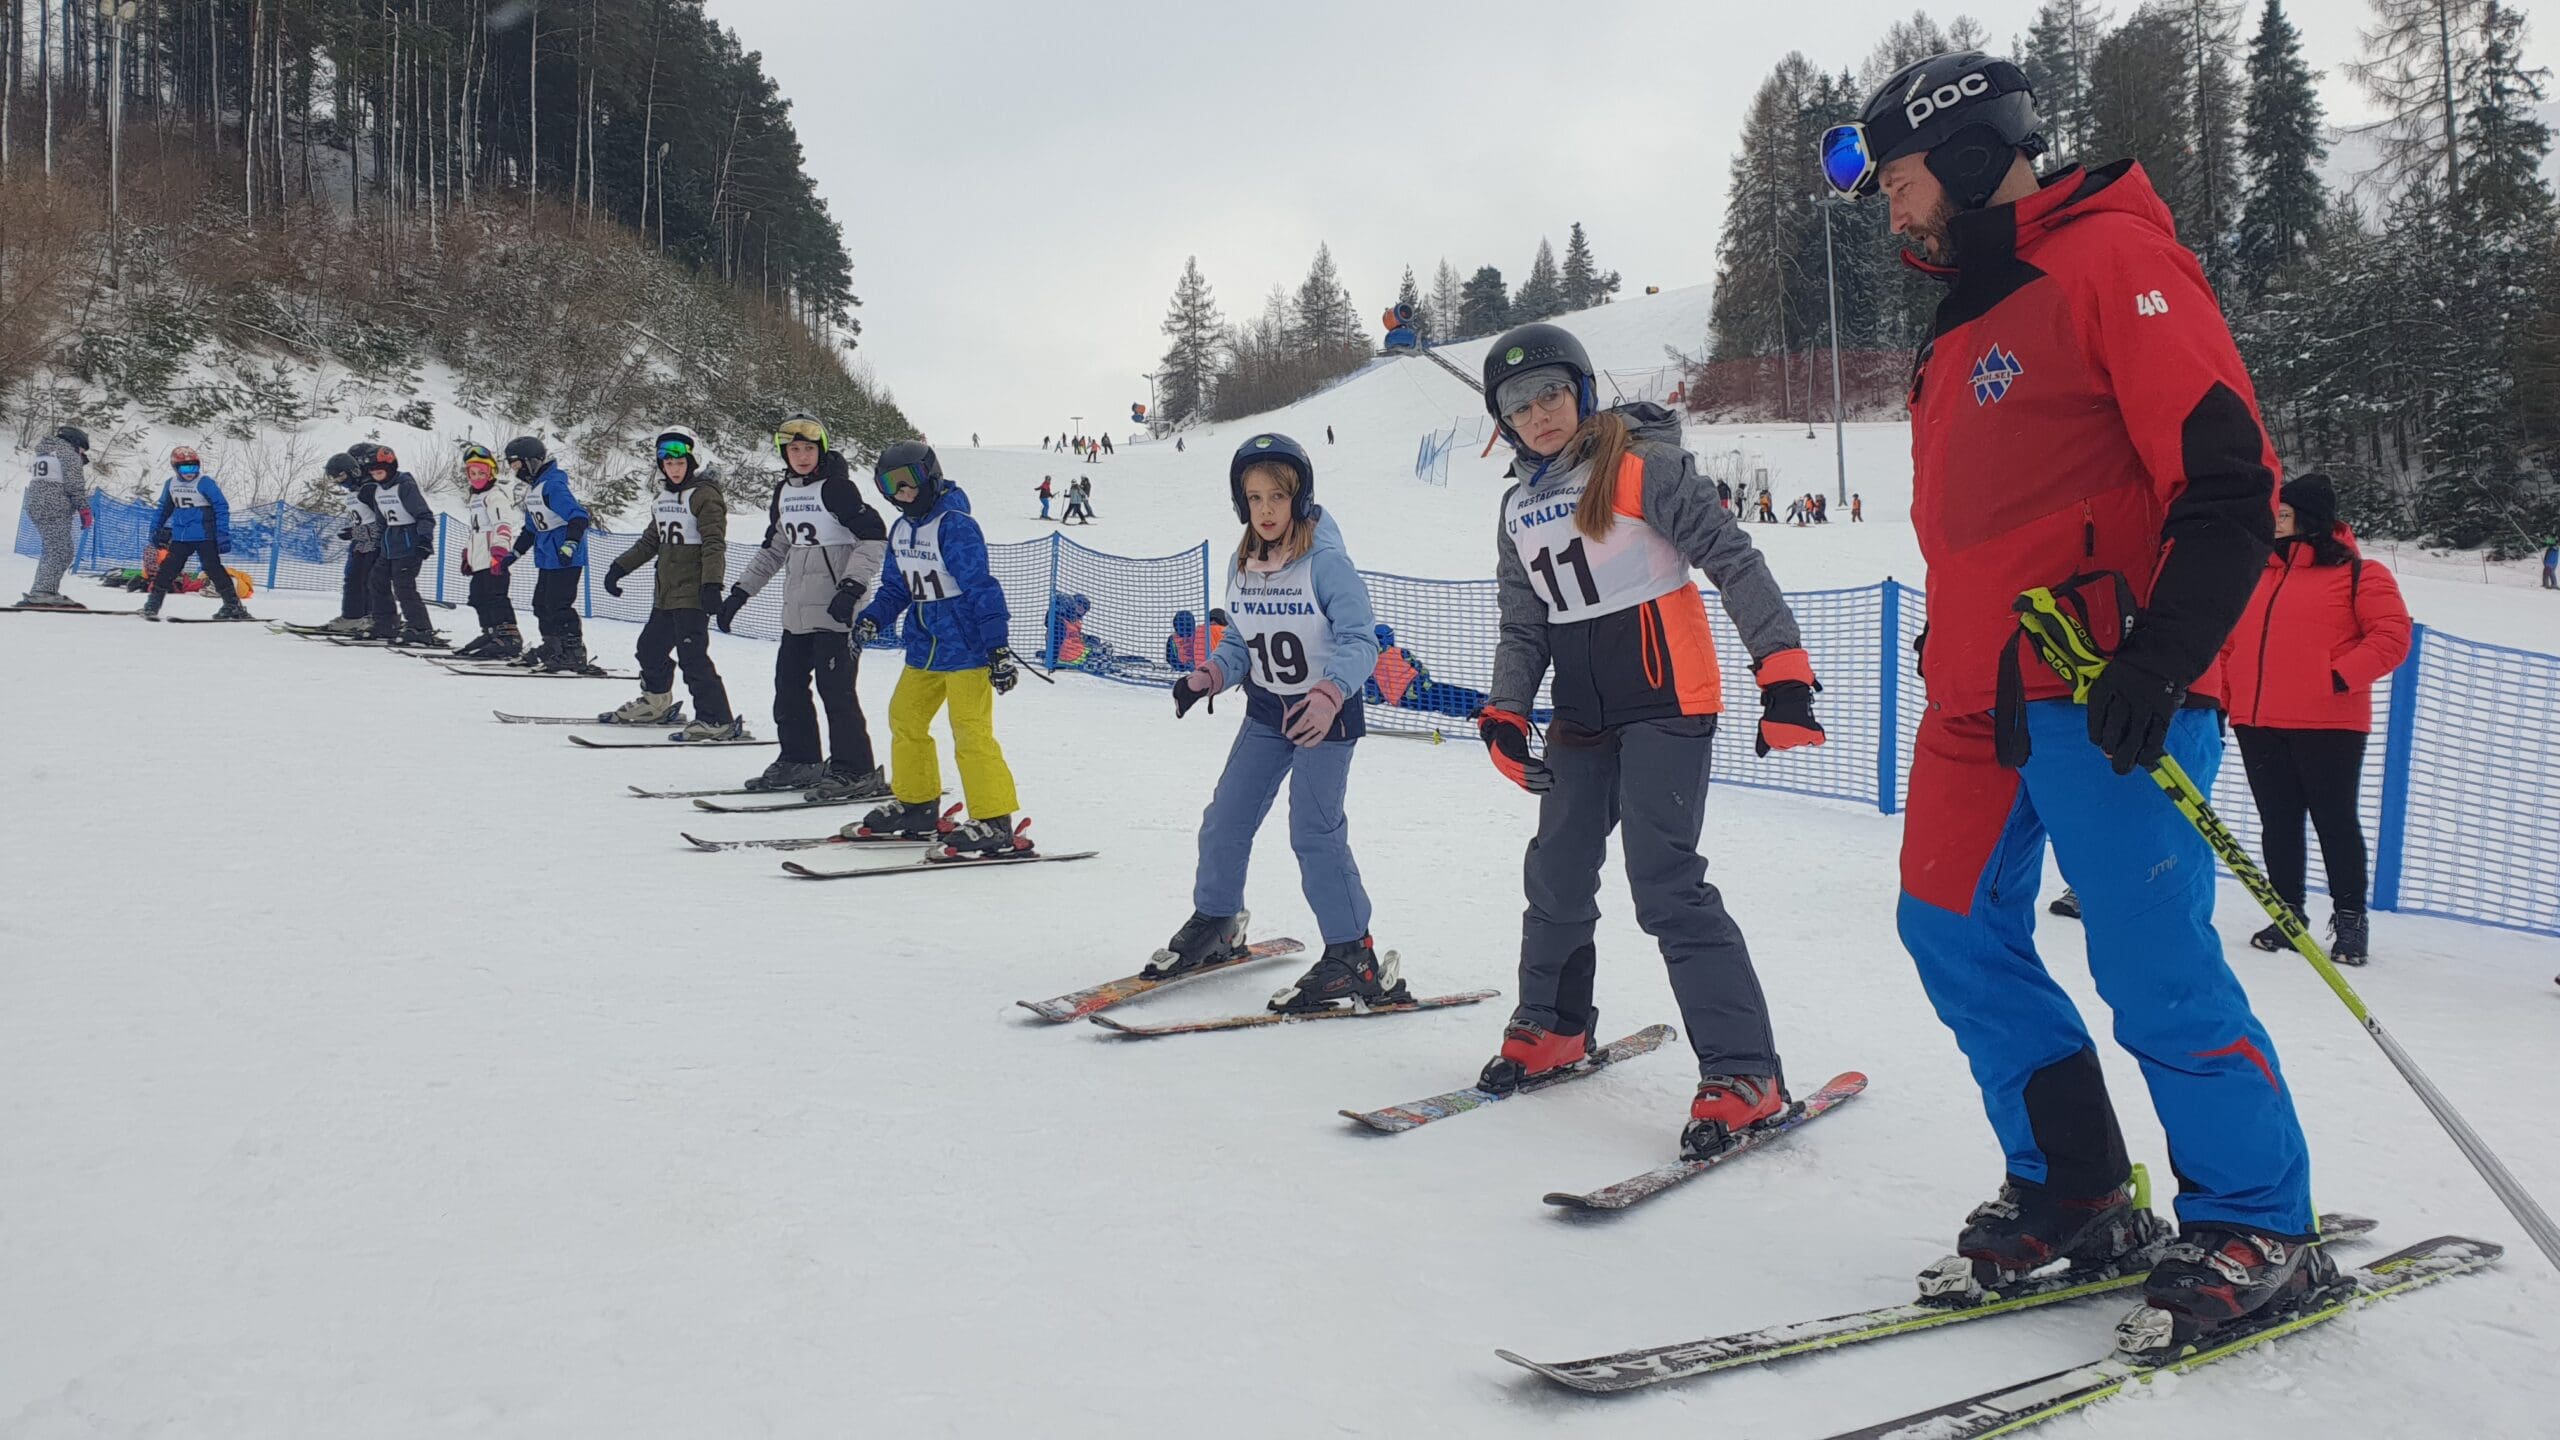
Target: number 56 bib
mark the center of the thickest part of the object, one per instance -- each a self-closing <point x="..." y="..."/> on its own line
<point x="1581" y="578"/>
<point x="1282" y="626"/>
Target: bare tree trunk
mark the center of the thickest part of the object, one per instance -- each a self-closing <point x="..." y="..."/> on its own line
<point x="532" y="107"/>
<point x="249" y="123"/>
<point x="44" y="64"/>
<point x="2444" y="50"/>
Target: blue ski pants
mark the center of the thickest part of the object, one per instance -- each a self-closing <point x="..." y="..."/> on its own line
<point x="1318" y="831"/>
<point x="1972" y="860"/>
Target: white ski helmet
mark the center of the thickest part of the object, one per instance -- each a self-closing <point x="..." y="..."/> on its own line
<point x="676" y="442"/>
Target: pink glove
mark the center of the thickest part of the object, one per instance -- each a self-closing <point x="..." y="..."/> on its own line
<point x="86" y="520"/>
<point x="1307" y="721"/>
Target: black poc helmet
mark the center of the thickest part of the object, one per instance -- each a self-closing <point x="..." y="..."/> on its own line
<point x="1969" y="112"/>
<point x="1279" y="449"/>
<point x="1523" y="348"/>
<point x="909" y="462"/>
<point x="73" y="436"/>
<point x="528" y="449"/>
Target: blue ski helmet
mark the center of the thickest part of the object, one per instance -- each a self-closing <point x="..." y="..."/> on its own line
<point x="1279" y="449"/>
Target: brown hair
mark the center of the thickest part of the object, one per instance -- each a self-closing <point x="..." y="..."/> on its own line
<point x="1603" y="440"/>
<point x="1301" y="535"/>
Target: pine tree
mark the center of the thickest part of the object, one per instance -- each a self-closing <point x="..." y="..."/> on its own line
<point x="1541" y="296"/>
<point x="2138" y="98"/>
<point x="1762" y="287"/>
<point x="1443" y="310"/>
<point x="1581" y="284"/>
<point x="1484" y="306"/>
<point x="2280" y="142"/>
<point x="2059" y="49"/>
<point x="2207" y="202"/>
<point x="2416" y="55"/>
<point x="1323" y="325"/>
<point x="1198" y="334"/>
<point x="1411" y="295"/>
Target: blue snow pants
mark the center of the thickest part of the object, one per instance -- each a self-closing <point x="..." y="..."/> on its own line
<point x="1972" y="860"/>
<point x="1317" y="774"/>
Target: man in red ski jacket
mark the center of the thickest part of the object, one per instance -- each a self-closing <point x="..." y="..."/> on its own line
<point x="2080" y="420"/>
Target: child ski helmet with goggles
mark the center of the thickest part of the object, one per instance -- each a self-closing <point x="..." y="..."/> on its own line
<point x="799" y="425"/>
<point x="382" y="458"/>
<point x="184" y="456"/>
<point x="1969" y="113"/>
<point x="909" y="462"/>
<point x="528" y="451"/>
<point x="475" y="453"/>
<point x="1525" y="349"/>
<point x="1279" y="450"/>
<point x="677" y="443"/>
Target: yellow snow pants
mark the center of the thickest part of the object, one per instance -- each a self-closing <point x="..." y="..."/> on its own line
<point x="915" y="769"/>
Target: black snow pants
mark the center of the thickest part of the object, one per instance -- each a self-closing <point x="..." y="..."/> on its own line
<point x="674" y="639"/>
<point x="355" y="592"/>
<point x="397" y="605"/>
<point x="2314" y="773"/>
<point x="490" y="600"/>
<point x="555" y="605"/>
<point x="827" y="661"/>
<point x="1647" y="780"/>
<point x="208" y="559"/>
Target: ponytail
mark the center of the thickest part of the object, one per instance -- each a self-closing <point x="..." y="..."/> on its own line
<point x="1603" y="440"/>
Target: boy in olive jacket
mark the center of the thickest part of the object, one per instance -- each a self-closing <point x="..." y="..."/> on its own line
<point x="688" y="535"/>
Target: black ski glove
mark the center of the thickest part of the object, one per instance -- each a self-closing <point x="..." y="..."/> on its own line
<point x="613" y="583"/>
<point x="426" y="547"/>
<point x="711" y="599"/>
<point x="848" y="595"/>
<point x="730" y="607"/>
<point x="1002" y="673"/>
<point x="163" y="536"/>
<point x="2129" y="713"/>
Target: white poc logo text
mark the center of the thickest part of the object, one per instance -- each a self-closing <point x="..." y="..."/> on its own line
<point x="1920" y="107"/>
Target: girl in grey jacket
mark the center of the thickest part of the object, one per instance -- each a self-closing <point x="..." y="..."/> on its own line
<point x="57" y="504"/>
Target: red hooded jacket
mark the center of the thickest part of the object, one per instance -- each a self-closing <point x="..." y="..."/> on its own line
<point x="2080" y="408"/>
<point x="2310" y="628"/>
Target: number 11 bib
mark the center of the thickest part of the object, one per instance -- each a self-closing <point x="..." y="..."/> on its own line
<point x="1581" y="578"/>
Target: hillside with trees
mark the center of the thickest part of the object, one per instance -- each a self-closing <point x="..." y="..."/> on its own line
<point x="2404" y="334"/>
<point x="251" y="216"/>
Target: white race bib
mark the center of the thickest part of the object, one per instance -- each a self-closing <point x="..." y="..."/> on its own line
<point x="538" y="515"/>
<point x="386" y="498"/>
<point x="47" y="470"/>
<point x="486" y="517"/>
<point x="674" y="518"/>
<point x="1284" y="630"/>
<point x="917" y="552"/>
<point x="806" y="520"/>
<point x="1581" y="578"/>
<point x="185" y="493"/>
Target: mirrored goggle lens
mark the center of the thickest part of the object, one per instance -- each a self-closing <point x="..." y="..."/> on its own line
<point x="800" y="430"/>
<point x="674" y="449"/>
<point x="1846" y="161"/>
<point x="1547" y="394"/>
<point x="189" y="468"/>
<point x="892" y="479"/>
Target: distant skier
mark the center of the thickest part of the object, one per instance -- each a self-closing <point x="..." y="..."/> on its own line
<point x="1302" y="647"/>
<point x="2323" y="627"/>
<point x="1724" y="494"/>
<point x="408" y="542"/>
<point x="1079" y="503"/>
<point x="1768" y="508"/>
<point x="1106" y="446"/>
<point x="1048" y="489"/>
<point x="955" y="620"/>
<point x="973" y="439"/>
<point x="193" y="519"/>
<point x="1598" y="534"/>
<point x="363" y="534"/>
<point x="558" y="524"/>
<point x="2551" y="564"/>
<point x="494" y="508"/>
<point x="688" y="540"/>
<point x="1857" y="508"/>
<point x="827" y="543"/>
<point x="57" y="505"/>
<point x="1328" y="434"/>
<point x="2160" y="525"/>
<point x="1177" y="449"/>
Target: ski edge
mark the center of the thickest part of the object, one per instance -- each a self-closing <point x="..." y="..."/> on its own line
<point x="1059" y="1009"/>
<point x="1414" y="1114"/>
<point x="1624" y="1194"/>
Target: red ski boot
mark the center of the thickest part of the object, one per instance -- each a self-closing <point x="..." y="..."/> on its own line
<point x="1529" y="1052"/>
<point x="1727" y="1105"/>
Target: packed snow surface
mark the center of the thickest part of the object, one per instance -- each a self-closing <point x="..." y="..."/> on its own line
<point x="371" y="1068"/>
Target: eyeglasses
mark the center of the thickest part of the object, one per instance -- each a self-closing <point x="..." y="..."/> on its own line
<point x="1546" y="395"/>
<point x="893" y="480"/>
<point x="674" y="449"/>
<point x="1847" y="162"/>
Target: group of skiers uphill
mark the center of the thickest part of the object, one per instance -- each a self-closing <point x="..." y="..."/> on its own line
<point x="2160" y="529"/>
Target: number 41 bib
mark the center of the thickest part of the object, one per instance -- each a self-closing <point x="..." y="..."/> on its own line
<point x="917" y="552"/>
<point x="1282" y="626"/>
<point x="1581" y="578"/>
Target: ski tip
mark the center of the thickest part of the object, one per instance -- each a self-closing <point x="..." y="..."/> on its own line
<point x="1041" y="1009"/>
<point x="1562" y="1200"/>
<point x="702" y="805"/>
<point x="698" y="842"/>
<point x="804" y="872"/>
<point x="1111" y="1025"/>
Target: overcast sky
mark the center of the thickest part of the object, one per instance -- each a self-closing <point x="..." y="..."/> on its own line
<point x="1019" y="184"/>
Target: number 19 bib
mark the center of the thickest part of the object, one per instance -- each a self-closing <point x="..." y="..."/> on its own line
<point x="917" y="552"/>
<point x="1283" y="627"/>
<point x="1579" y="577"/>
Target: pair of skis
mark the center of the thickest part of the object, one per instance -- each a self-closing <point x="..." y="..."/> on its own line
<point x="1088" y="1003"/>
<point x="673" y="741"/>
<point x="64" y="610"/>
<point x="2014" y="1407"/>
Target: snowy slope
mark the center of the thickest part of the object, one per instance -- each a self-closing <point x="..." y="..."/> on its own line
<point x="367" y="1067"/>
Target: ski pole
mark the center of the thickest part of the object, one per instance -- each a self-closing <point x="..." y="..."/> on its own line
<point x="2066" y="645"/>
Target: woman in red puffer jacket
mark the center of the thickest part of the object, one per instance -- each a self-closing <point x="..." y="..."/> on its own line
<point x="2299" y="670"/>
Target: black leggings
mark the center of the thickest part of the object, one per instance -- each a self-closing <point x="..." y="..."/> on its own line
<point x="208" y="559"/>
<point x="555" y="603"/>
<point x="826" y="661"/>
<point x="490" y="600"/>
<point x="684" y="635"/>
<point x="397" y="605"/>
<point x="2294" y="773"/>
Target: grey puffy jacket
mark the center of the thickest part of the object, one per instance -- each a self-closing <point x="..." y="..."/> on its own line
<point x="65" y="492"/>
<point x="811" y="573"/>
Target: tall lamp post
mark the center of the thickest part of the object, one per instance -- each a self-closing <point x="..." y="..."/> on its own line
<point x="1150" y="377"/>
<point x="1831" y="279"/>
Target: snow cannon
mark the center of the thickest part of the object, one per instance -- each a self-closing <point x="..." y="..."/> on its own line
<point x="1400" y="331"/>
<point x="1137" y="413"/>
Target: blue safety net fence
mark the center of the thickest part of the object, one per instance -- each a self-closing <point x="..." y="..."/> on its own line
<point x="2461" y="792"/>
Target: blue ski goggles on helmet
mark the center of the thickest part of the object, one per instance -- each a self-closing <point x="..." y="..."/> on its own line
<point x="189" y="468"/>
<point x="1847" y="161"/>
<point x="891" y="479"/>
<point x="674" y="449"/>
